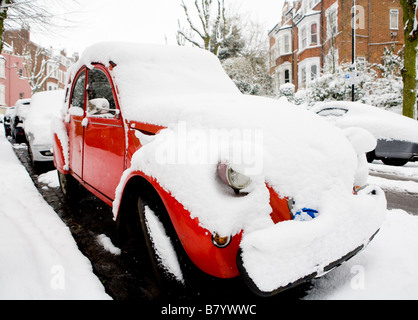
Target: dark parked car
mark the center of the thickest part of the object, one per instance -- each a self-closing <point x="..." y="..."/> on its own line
<point x="7" y="119"/>
<point x="397" y="135"/>
<point x="17" y="122"/>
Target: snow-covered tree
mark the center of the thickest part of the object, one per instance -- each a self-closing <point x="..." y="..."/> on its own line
<point x="35" y="64"/>
<point x="211" y="30"/>
<point x="409" y="70"/>
<point x="249" y="74"/>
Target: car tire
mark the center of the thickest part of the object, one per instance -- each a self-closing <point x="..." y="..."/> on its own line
<point x="69" y="186"/>
<point x="135" y="241"/>
<point x="394" y="162"/>
<point x="166" y="281"/>
<point x="370" y="156"/>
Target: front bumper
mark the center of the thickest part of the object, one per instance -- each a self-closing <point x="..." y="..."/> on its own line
<point x="289" y="253"/>
<point x="255" y="289"/>
<point x="41" y="153"/>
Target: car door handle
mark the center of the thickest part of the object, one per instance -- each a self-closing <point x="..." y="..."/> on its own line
<point x="85" y="122"/>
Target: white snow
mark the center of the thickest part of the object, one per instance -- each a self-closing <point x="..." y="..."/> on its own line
<point x="386" y="270"/>
<point x="39" y="257"/>
<point x="107" y="244"/>
<point x="49" y="178"/>
<point x="45" y="106"/>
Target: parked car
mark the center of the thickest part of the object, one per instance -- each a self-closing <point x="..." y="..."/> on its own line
<point x="7" y="119"/>
<point x="22" y="107"/>
<point x="210" y="178"/>
<point x="45" y="106"/>
<point x="397" y="135"/>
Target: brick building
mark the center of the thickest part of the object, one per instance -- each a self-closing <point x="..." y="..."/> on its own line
<point x="315" y="36"/>
<point x="53" y="63"/>
<point x="13" y="85"/>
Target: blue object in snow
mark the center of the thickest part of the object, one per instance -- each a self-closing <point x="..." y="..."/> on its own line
<point x="305" y="214"/>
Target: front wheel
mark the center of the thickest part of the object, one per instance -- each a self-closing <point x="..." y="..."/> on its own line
<point x="69" y="185"/>
<point x="162" y="244"/>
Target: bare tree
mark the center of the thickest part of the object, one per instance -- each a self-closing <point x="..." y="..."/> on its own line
<point x="211" y="31"/>
<point x="40" y="15"/>
<point x="410" y="53"/>
<point x="36" y="68"/>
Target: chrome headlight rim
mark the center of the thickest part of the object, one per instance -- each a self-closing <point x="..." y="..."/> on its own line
<point x="232" y="177"/>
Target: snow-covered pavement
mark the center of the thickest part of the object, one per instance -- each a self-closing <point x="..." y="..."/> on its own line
<point x="39" y="259"/>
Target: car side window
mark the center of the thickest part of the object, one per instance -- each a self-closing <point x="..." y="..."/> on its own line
<point x="100" y="100"/>
<point x="77" y="98"/>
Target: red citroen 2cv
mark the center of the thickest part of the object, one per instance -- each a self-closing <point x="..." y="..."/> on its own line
<point x="240" y="185"/>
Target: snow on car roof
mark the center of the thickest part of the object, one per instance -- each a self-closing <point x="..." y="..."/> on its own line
<point x="383" y="124"/>
<point x="152" y="79"/>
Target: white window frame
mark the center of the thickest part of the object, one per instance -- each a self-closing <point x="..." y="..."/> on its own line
<point x="333" y="9"/>
<point x="2" y="95"/>
<point x="287" y="47"/>
<point x="2" y="67"/>
<point x="306" y="66"/>
<point x="392" y="14"/>
<point x="304" y="38"/>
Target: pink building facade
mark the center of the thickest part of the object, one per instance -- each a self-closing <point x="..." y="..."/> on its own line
<point x="13" y="85"/>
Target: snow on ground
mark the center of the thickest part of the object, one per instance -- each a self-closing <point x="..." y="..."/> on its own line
<point x="39" y="259"/>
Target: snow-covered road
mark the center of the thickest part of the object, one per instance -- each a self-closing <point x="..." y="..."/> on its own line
<point x="39" y="259"/>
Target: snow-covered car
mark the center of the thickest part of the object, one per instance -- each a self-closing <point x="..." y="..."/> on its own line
<point x="211" y="178"/>
<point x="45" y="106"/>
<point x="397" y="135"/>
<point x="22" y="107"/>
<point x="7" y="120"/>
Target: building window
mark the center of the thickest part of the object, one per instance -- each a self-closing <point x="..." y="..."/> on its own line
<point x="304" y="39"/>
<point x="394" y="19"/>
<point x="287" y="76"/>
<point x="314" y="71"/>
<point x="21" y="95"/>
<point x="2" y="95"/>
<point x="287" y="44"/>
<point x="20" y="72"/>
<point x="303" y="76"/>
<point x="2" y="68"/>
<point x="314" y="34"/>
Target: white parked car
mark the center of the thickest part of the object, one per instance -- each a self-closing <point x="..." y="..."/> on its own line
<point x="397" y="135"/>
<point x="45" y="107"/>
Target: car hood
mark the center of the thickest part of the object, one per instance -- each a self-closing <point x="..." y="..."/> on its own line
<point x="295" y="152"/>
<point x="300" y="155"/>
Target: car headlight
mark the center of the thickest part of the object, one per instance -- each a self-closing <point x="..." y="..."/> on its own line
<point x="234" y="179"/>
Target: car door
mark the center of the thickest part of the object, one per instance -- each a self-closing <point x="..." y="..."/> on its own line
<point x="104" y="135"/>
<point x="75" y="117"/>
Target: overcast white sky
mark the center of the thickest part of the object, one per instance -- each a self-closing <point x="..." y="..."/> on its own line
<point x="146" y="21"/>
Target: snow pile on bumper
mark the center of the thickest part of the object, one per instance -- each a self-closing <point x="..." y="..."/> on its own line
<point x="289" y="252"/>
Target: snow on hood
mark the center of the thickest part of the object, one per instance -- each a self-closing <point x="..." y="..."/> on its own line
<point x="381" y="123"/>
<point x="45" y="106"/>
